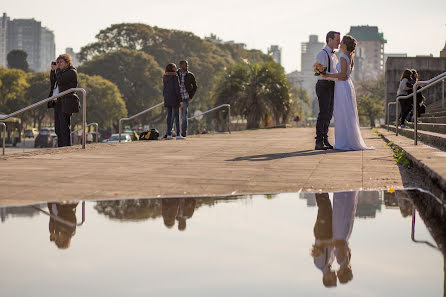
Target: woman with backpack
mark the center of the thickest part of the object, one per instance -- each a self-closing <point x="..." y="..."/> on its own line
<point x="172" y="99"/>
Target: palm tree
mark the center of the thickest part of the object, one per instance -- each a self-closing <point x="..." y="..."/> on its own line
<point x="258" y="92"/>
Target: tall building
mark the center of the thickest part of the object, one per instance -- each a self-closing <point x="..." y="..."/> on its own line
<point x="369" y="56"/>
<point x="4" y="20"/>
<point x="276" y="53"/>
<point x="47" y="49"/>
<point x="24" y="34"/>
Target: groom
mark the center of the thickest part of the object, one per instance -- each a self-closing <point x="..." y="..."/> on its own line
<point x="325" y="90"/>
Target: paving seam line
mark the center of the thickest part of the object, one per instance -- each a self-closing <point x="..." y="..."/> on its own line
<point x="436" y="178"/>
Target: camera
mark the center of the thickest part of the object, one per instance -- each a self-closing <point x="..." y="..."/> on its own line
<point x="53" y="63"/>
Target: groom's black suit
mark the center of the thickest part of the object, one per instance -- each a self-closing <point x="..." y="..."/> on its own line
<point x="325" y="96"/>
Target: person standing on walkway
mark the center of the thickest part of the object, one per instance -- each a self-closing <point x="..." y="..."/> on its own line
<point x="325" y="89"/>
<point x="63" y="76"/>
<point x="172" y="99"/>
<point x="188" y="87"/>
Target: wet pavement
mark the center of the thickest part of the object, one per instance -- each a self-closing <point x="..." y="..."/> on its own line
<point x="356" y="243"/>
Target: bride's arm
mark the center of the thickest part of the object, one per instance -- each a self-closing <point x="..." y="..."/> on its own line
<point x="341" y="75"/>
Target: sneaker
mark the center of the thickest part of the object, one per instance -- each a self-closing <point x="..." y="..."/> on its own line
<point x="180" y="137"/>
<point x="169" y="137"/>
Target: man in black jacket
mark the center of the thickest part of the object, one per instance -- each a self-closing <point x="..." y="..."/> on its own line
<point x="188" y="87"/>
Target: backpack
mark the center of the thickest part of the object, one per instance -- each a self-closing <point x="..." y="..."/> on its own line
<point x="153" y="134"/>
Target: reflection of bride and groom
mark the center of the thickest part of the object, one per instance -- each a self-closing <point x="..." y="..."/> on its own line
<point x="332" y="231"/>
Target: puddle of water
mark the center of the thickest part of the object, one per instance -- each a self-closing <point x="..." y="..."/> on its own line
<point x="303" y="244"/>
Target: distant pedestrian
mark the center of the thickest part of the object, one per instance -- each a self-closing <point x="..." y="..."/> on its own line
<point x="403" y="89"/>
<point x="172" y="99"/>
<point x="63" y="76"/>
<point x="188" y="87"/>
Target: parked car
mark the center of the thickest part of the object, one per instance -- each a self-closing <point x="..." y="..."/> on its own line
<point x="31" y="133"/>
<point x="115" y="138"/>
<point x="46" y="138"/>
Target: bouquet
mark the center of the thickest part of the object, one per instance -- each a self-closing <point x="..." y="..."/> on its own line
<point x="319" y="69"/>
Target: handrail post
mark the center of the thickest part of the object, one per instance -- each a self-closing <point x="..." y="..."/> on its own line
<point x="442" y="92"/>
<point x="229" y="119"/>
<point x="97" y="131"/>
<point x="415" y="114"/>
<point x="397" y="116"/>
<point x="3" y="136"/>
<point x="120" y="129"/>
<point x="84" y="118"/>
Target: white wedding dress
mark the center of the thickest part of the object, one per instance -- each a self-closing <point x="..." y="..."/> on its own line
<point x="347" y="133"/>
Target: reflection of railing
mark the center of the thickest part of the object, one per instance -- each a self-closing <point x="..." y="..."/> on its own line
<point x="215" y="108"/>
<point x="135" y="116"/>
<point x="426" y="84"/>
<point x="62" y="220"/>
<point x="88" y="125"/>
<point x="412" y="235"/>
<point x="41" y="102"/>
<point x="4" y="136"/>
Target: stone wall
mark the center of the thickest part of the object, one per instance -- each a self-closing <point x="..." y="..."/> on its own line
<point x="427" y="67"/>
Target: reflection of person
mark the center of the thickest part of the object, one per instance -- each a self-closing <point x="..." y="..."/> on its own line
<point x="62" y="224"/>
<point x="344" y="209"/>
<point x="63" y="76"/>
<point x="322" y="251"/>
<point x="186" y="211"/>
<point x="179" y="209"/>
<point x="169" y="210"/>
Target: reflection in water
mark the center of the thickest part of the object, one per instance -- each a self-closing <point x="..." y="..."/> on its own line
<point x="332" y="231"/>
<point x="247" y="244"/>
<point x="62" y="225"/>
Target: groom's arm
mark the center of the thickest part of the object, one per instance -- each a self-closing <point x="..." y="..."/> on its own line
<point x="340" y="75"/>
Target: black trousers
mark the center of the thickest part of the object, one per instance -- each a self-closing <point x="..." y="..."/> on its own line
<point x="62" y="122"/>
<point x="325" y="96"/>
<point x="406" y="107"/>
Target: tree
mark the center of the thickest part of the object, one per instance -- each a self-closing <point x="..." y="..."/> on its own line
<point x="300" y="103"/>
<point x="371" y="100"/>
<point x="207" y="60"/>
<point x="17" y="60"/>
<point x="13" y="87"/>
<point x="258" y="92"/>
<point x="105" y="105"/>
<point x="136" y="74"/>
<point x="39" y="88"/>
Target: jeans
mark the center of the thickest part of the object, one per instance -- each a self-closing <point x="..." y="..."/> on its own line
<point x="184" y="118"/>
<point x="62" y="123"/>
<point x="173" y="114"/>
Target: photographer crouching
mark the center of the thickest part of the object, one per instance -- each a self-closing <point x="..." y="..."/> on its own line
<point x="63" y="76"/>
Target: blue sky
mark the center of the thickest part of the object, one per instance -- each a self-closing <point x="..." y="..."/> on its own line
<point x="408" y="26"/>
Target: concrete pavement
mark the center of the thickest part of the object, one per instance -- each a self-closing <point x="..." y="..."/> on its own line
<point x="256" y="161"/>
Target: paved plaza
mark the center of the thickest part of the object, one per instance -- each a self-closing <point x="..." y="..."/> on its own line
<point x="255" y="161"/>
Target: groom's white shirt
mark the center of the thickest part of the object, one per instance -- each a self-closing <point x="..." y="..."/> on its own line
<point x="322" y="58"/>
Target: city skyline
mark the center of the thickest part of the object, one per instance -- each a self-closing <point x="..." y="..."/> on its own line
<point x="286" y="24"/>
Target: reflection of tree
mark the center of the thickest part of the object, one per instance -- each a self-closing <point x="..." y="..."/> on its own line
<point x="144" y="209"/>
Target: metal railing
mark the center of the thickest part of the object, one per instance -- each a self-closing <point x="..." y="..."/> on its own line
<point x="88" y="125"/>
<point x="426" y="84"/>
<point x="41" y="102"/>
<point x="388" y="114"/>
<point x="135" y="116"/>
<point x="62" y="220"/>
<point x="215" y="108"/>
<point x="4" y="136"/>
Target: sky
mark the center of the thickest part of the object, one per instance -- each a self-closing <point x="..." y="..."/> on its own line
<point x="408" y="26"/>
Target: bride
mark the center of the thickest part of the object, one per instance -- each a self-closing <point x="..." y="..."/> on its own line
<point x="347" y="133"/>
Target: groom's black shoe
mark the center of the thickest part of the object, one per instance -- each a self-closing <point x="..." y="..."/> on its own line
<point x="320" y="146"/>
<point x="327" y="144"/>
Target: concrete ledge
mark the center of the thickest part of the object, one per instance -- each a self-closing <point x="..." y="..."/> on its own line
<point x="436" y="139"/>
<point x="428" y="159"/>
